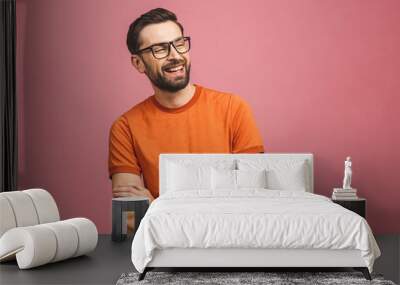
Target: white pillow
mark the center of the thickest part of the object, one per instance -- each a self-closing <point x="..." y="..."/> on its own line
<point x="282" y="174"/>
<point x="251" y="178"/>
<point x="182" y="177"/>
<point x="234" y="179"/>
<point x="223" y="179"/>
<point x="290" y="179"/>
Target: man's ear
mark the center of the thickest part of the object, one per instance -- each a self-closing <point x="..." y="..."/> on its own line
<point x="137" y="62"/>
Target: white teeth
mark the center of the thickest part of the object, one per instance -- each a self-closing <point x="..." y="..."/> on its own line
<point x="175" y="68"/>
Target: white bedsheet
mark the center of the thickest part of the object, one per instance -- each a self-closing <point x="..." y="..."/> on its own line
<point x="250" y="218"/>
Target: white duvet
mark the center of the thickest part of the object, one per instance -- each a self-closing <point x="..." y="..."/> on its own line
<point x="251" y="218"/>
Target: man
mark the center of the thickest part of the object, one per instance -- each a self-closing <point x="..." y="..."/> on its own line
<point x="179" y="118"/>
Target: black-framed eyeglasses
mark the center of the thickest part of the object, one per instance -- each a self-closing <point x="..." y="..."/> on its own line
<point x="162" y="50"/>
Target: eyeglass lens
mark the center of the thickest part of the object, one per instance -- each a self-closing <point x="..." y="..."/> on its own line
<point x="162" y="50"/>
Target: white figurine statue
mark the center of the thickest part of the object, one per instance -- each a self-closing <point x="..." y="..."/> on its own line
<point x="347" y="173"/>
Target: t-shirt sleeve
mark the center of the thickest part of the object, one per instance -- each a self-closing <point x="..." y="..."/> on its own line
<point x="122" y="156"/>
<point x="246" y="137"/>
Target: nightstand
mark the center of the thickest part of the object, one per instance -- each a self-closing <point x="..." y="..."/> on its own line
<point x="358" y="206"/>
<point x="122" y="208"/>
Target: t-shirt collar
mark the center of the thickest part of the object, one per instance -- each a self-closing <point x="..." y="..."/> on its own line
<point x="181" y="108"/>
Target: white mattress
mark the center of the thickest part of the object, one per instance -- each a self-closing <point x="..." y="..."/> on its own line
<point x="250" y="218"/>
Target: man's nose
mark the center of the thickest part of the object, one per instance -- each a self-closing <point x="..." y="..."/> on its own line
<point x="173" y="54"/>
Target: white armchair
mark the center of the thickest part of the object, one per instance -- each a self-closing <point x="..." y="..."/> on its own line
<point x="31" y="230"/>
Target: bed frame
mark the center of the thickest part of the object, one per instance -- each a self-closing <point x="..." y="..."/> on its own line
<point x="246" y="258"/>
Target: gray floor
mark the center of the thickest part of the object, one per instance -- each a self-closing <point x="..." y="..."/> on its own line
<point x="389" y="262"/>
<point x="110" y="260"/>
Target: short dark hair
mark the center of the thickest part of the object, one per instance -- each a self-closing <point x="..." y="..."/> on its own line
<point x="155" y="16"/>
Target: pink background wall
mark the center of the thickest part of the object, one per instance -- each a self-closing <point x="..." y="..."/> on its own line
<point x="321" y="77"/>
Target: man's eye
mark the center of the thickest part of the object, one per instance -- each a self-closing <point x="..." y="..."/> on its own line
<point x="159" y="49"/>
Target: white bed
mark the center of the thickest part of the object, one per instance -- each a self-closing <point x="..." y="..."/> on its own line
<point x="203" y="220"/>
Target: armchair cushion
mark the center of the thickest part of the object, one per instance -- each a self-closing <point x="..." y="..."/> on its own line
<point x="40" y="244"/>
<point x="30" y="230"/>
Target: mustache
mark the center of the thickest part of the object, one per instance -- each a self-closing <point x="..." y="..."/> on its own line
<point x="174" y="63"/>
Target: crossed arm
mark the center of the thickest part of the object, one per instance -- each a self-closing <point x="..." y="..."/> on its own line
<point x="129" y="184"/>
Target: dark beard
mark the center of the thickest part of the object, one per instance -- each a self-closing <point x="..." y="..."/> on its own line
<point x="164" y="84"/>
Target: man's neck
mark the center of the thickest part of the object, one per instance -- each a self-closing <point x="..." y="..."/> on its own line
<point x="174" y="99"/>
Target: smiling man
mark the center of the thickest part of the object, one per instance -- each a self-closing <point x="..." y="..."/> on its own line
<point x="180" y="117"/>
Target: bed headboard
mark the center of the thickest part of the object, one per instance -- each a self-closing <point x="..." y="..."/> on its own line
<point x="165" y="158"/>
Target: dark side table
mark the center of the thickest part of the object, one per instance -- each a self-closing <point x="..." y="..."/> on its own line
<point x="123" y="207"/>
<point x="358" y="206"/>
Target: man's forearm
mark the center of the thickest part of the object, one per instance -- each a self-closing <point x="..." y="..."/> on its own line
<point x="127" y="185"/>
<point x="128" y="191"/>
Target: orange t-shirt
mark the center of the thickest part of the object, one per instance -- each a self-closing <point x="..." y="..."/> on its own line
<point x="211" y="122"/>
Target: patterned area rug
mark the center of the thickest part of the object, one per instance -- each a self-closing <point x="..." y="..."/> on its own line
<point x="269" y="278"/>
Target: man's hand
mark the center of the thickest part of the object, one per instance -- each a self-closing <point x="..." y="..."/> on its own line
<point x="132" y="190"/>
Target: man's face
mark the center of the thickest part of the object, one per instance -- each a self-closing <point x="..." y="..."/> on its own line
<point x="171" y="73"/>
